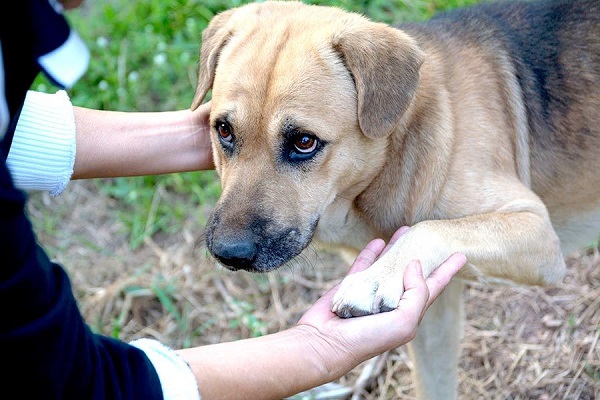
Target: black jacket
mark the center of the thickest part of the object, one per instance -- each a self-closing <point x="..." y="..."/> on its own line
<point x="48" y="351"/>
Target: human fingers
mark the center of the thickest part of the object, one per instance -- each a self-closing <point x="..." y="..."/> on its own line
<point x="365" y="259"/>
<point x="376" y="333"/>
<point x="202" y="116"/>
<point x="439" y="278"/>
<point x="399" y="326"/>
<point x="321" y="310"/>
<point x="205" y="108"/>
<point x="416" y="291"/>
<point x="420" y="293"/>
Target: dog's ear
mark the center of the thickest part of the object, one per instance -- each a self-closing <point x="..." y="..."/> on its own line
<point x="214" y="38"/>
<point x="384" y="63"/>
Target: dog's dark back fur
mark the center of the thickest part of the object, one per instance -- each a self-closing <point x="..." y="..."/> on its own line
<point x="554" y="48"/>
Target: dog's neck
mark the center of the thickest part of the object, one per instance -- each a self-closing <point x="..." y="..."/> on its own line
<point x="414" y="175"/>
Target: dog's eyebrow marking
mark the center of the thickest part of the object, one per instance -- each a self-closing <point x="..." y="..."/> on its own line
<point x="290" y="127"/>
<point x="225" y="116"/>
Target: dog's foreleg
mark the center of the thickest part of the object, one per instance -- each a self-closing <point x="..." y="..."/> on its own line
<point x="503" y="246"/>
<point x="434" y="351"/>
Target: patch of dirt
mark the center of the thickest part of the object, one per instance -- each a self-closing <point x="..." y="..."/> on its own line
<point x="520" y="343"/>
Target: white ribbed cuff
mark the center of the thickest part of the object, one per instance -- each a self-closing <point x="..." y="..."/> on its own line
<point x="42" y="153"/>
<point x="176" y="377"/>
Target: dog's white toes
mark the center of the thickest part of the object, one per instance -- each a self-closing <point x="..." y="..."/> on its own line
<point x="360" y="295"/>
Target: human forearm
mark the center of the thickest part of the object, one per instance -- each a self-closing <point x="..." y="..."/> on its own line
<point x="269" y="367"/>
<point x="111" y="143"/>
<point x="55" y="142"/>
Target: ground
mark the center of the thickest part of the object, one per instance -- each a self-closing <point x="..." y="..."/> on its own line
<point x="519" y="343"/>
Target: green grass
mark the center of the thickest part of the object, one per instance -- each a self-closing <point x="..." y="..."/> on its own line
<point x="153" y="204"/>
<point x="144" y="58"/>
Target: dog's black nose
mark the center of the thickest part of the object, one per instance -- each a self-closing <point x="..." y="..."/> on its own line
<point x="237" y="254"/>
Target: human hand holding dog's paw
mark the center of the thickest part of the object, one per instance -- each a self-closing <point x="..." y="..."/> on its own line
<point x="367" y="295"/>
<point x="361" y="338"/>
<point x="364" y="291"/>
<point x="378" y="288"/>
<point x="322" y="347"/>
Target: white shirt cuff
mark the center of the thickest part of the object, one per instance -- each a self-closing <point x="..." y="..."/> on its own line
<point x="42" y="153"/>
<point x="67" y="63"/>
<point x="176" y="378"/>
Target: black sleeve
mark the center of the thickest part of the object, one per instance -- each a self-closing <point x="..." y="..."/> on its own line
<point x="48" y="351"/>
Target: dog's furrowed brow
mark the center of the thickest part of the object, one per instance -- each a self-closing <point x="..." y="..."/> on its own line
<point x="225" y="116"/>
<point x="291" y="127"/>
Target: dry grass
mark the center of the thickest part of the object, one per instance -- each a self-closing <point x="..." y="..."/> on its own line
<point x="520" y="343"/>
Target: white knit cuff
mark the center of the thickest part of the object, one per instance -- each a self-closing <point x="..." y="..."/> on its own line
<point x="42" y="153"/>
<point x="176" y="377"/>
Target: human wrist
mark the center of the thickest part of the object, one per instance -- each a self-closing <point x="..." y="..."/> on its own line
<point x="333" y="356"/>
<point x="175" y="375"/>
<point x="303" y="361"/>
<point x="199" y="120"/>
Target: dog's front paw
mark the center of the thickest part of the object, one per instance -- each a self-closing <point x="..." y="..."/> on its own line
<point x="367" y="292"/>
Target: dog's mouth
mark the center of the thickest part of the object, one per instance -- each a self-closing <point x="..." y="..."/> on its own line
<point x="260" y="245"/>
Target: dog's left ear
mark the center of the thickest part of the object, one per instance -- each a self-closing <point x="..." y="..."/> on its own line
<point x="384" y="63"/>
<point x="214" y="38"/>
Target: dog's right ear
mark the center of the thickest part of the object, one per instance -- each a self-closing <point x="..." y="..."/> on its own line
<point x="384" y="63"/>
<point x="214" y="38"/>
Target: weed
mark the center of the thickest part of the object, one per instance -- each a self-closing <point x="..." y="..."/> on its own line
<point x="247" y="319"/>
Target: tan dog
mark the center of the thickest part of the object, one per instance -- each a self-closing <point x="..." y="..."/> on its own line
<point x="480" y="129"/>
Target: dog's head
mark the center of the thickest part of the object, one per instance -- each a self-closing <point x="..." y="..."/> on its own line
<point x="304" y="99"/>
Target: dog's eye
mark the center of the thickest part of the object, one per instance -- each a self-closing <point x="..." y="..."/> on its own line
<point x="224" y="130"/>
<point x="305" y="144"/>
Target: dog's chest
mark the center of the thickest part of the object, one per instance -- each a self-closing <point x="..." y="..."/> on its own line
<point x="341" y="225"/>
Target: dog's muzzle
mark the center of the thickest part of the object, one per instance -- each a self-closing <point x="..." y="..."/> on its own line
<point x="258" y="246"/>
